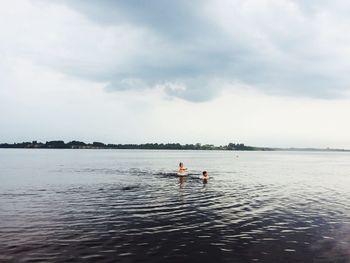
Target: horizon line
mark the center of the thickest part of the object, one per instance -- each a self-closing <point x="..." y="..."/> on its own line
<point x="200" y="146"/>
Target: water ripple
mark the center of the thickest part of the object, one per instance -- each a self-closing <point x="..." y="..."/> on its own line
<point x="151" y="215"/>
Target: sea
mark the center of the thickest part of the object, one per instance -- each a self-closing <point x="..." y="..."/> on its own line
<point x="90" y="205"/>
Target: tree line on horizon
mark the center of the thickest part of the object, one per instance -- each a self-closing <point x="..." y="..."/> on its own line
<point x="146" y="146"/>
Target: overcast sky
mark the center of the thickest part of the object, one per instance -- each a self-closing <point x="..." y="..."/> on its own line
<point x="259" y="72"/>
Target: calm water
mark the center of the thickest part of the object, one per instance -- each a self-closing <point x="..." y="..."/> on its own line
<point x="128" y="206"/>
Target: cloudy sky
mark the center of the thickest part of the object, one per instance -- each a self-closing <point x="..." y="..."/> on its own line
<point x="260" y="72"/>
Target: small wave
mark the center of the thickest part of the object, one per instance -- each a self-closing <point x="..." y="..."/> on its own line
<point x="130" y="187"/>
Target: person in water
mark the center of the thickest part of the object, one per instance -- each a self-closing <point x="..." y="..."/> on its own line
<point x="182" y="168"/>
<point x="205" y="176"/>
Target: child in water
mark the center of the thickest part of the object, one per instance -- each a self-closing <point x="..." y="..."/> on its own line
<point x="205" y="176"/>
<point x="182" y="169"/>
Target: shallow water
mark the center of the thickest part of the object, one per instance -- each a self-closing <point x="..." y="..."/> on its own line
<point x="128" y="206"/>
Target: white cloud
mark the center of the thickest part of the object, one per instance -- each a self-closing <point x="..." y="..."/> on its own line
<point x="245" y="115"/>
<point x="39" y="103"/>
<point x="54" y="35"/>
<point x="297" y="52"/>
<point x="55" y="65"/>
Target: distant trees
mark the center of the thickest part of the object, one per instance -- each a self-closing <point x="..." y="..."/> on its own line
<point x="76" y="144"/>
<point x="99" y="145"/>
<point x="56" y="144"/>
<point x="239" y="147"/>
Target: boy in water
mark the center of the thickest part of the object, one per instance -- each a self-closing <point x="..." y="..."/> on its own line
<point x="205" y="176"/>
<point x="182" y="169"/>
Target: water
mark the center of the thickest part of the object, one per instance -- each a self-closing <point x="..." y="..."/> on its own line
<point x="128" y="206"/>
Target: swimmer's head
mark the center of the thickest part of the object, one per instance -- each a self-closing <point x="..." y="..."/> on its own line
<point x="205" y="173"/>
<point x="181" y="164"/>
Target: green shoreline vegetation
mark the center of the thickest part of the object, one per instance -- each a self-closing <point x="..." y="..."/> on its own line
<point x="151" y="146"/>
<point x="145" y="146"/>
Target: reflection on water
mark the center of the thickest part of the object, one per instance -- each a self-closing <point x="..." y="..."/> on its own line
<point x="182" y="180"/>
<point x="129" y="206"/>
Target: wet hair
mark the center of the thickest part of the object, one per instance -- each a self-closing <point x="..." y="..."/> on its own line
<point x="180" y="164"/>
<point x="204" y="172"/>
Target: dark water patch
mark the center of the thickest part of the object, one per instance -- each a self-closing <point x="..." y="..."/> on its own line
<point x="173" y="174"/>
<point x="126" y="228"/>
<point x="251" y="211"/>
<point x="104" y="171"/>
<point x="130" y="187"/>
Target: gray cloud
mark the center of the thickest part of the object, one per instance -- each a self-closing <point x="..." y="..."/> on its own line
<point x="285" y="48"/>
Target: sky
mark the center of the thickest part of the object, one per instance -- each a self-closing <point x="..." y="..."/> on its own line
<point x="259" y="72"/>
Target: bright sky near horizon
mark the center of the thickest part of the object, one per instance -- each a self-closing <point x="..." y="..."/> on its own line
<point x="260" y="72"/>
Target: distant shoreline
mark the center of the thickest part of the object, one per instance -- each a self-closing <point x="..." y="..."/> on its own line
<point x="154" y="146"/>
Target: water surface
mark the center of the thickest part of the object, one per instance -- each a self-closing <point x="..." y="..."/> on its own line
<point x="128" y="206"/>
